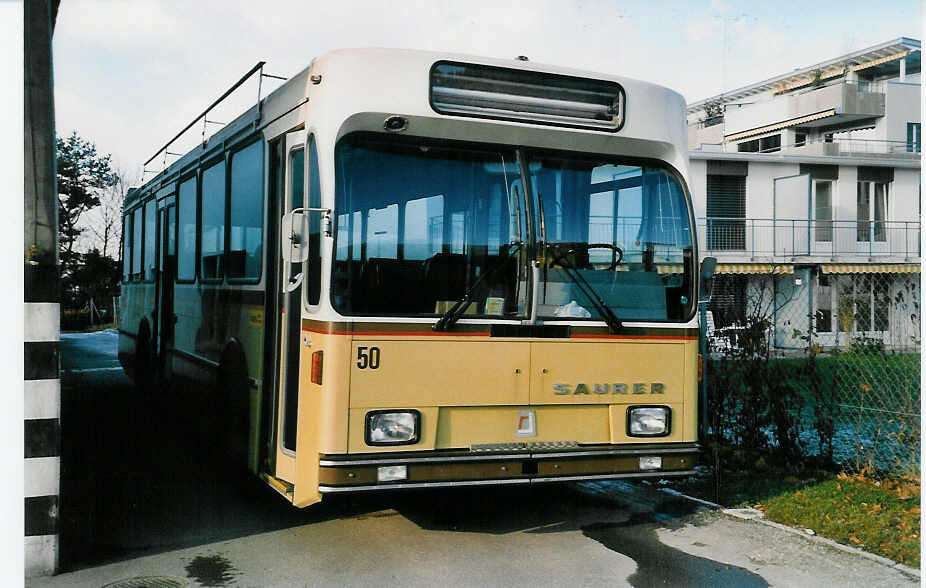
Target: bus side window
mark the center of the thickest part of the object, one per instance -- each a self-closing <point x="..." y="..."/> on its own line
<point x="314" y="263"/>
<point x="137" y="272"/>
<point x="127" y="248"/>
<point x="150" y="235"/>
<point x="247" y="213"/>
<point x="186" y="213"/>
<point x="212" y="227"/>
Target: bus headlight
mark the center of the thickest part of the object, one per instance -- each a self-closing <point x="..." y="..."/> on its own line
<point x="648" y="421"/>
<point x="393" y="427"/>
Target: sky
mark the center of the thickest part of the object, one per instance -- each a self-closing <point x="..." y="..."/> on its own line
<point x="129" y="75"/>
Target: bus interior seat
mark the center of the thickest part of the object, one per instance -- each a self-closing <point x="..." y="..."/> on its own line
<point x="391" y="286"/>
<point x="212" y="265"/>
<point x="444" y="277"/>
<point x="236" y="263"/>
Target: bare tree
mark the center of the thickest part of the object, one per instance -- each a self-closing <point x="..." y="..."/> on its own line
<point x="83" y="174"/>
<point x="106" y="224"/>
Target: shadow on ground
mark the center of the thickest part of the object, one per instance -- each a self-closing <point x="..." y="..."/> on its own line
<point x="141" y="476"/>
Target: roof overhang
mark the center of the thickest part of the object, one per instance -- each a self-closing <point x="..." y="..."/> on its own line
<point x="874" y="56"/>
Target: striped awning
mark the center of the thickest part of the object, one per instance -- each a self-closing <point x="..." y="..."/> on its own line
<point x="753" y="268"/>
<point x="782" y="125"/>
<point x="875" y="62"/>
<point x="871" y="268"/>
<point x="672" y="268"/>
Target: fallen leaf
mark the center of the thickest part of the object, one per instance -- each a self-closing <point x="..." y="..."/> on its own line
<point x="855" y="539"/>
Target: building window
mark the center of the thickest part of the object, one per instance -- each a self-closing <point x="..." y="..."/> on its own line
<point x="823" y="315"/>
<point x="872" y="212"/>
<point x="863" y="303"/>
<point x="823" y="210"/>
<point x="726" y="213"/>
<point x="728" y="300"/>
<point x="770" y="144"/>
<point x="800" y="139"/>
<point x="913" y="137"/>
<point x="748" y="146"/>
<point x="852" y="304"/>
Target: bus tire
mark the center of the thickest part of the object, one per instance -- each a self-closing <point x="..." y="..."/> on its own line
<point x="234" y="403"/>
<point x="144" y="364"/>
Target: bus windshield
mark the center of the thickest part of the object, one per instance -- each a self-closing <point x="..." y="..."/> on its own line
<point x="422" y="226"/>
<point x="618" y="234"/>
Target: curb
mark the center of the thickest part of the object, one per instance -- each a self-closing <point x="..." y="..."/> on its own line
<point x="751" y="514"/>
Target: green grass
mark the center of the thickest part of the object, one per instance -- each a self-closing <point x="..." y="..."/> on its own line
<point x="861" y="374"/>
<point x="879" y="516"/>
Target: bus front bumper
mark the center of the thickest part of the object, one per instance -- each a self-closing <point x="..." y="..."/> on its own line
<point x="504" y="465"/>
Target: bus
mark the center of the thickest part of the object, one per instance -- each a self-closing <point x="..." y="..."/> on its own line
<point x="407" y="269"/>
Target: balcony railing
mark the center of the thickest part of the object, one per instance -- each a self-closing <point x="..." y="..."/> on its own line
<point x="751" y="237"/>
<point x="831" y="146"/>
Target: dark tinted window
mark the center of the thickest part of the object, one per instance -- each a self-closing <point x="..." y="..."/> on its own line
<point x="314" y="268"/>
<point x="212" y="229"/>
<point x="247" y="213"/>
<point x="150" y="238"/>
<point x="136" y="243"/>
<point x="186" y="212"/>
<point x="127" y="247"/>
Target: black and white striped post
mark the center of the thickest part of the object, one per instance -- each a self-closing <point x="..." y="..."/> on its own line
<point x="42" y="388"/>
<point x="42" y="407"/>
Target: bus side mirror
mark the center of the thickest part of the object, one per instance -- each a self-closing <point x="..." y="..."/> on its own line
<point x="706" y="279"/>
<point x="294" y="241"/>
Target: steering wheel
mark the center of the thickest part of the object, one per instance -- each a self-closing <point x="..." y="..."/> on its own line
<point x="617" y="254"/>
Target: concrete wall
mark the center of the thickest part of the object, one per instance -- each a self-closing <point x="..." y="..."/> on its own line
<point x="902" y="106"/>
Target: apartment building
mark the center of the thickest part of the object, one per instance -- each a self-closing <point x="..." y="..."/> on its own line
<point x="807" y="191"/>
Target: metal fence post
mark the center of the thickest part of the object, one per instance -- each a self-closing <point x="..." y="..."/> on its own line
<point x="702" y="385"/>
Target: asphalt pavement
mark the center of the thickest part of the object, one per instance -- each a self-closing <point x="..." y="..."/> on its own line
<point x="147" y="500"/>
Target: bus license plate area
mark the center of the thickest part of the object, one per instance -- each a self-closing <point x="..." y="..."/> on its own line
<point x="362" y="474"/>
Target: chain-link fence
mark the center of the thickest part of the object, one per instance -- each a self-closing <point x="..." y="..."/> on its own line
<point x="818" y="361"/>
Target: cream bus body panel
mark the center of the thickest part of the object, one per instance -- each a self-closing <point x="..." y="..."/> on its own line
<point x="478" y="388"/>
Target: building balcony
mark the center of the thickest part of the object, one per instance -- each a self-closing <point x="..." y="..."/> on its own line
<point x="797" y="240"/>
<point x="834" y="104"/>
<point x="856" y="148"/>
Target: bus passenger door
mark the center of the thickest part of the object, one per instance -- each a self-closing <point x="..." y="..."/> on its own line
<point x="167" y="270"/>
<point x="290" y="318"/>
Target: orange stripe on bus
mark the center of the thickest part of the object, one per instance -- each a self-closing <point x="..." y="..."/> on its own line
<point x="486" y="334"/>
<point x="398" y="333"/>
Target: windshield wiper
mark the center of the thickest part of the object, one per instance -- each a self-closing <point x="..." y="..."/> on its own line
<point x="590" y="293"/>
<point x="453" y="314"/>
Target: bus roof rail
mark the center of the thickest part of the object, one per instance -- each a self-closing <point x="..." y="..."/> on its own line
<point x="258" y="67"/>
